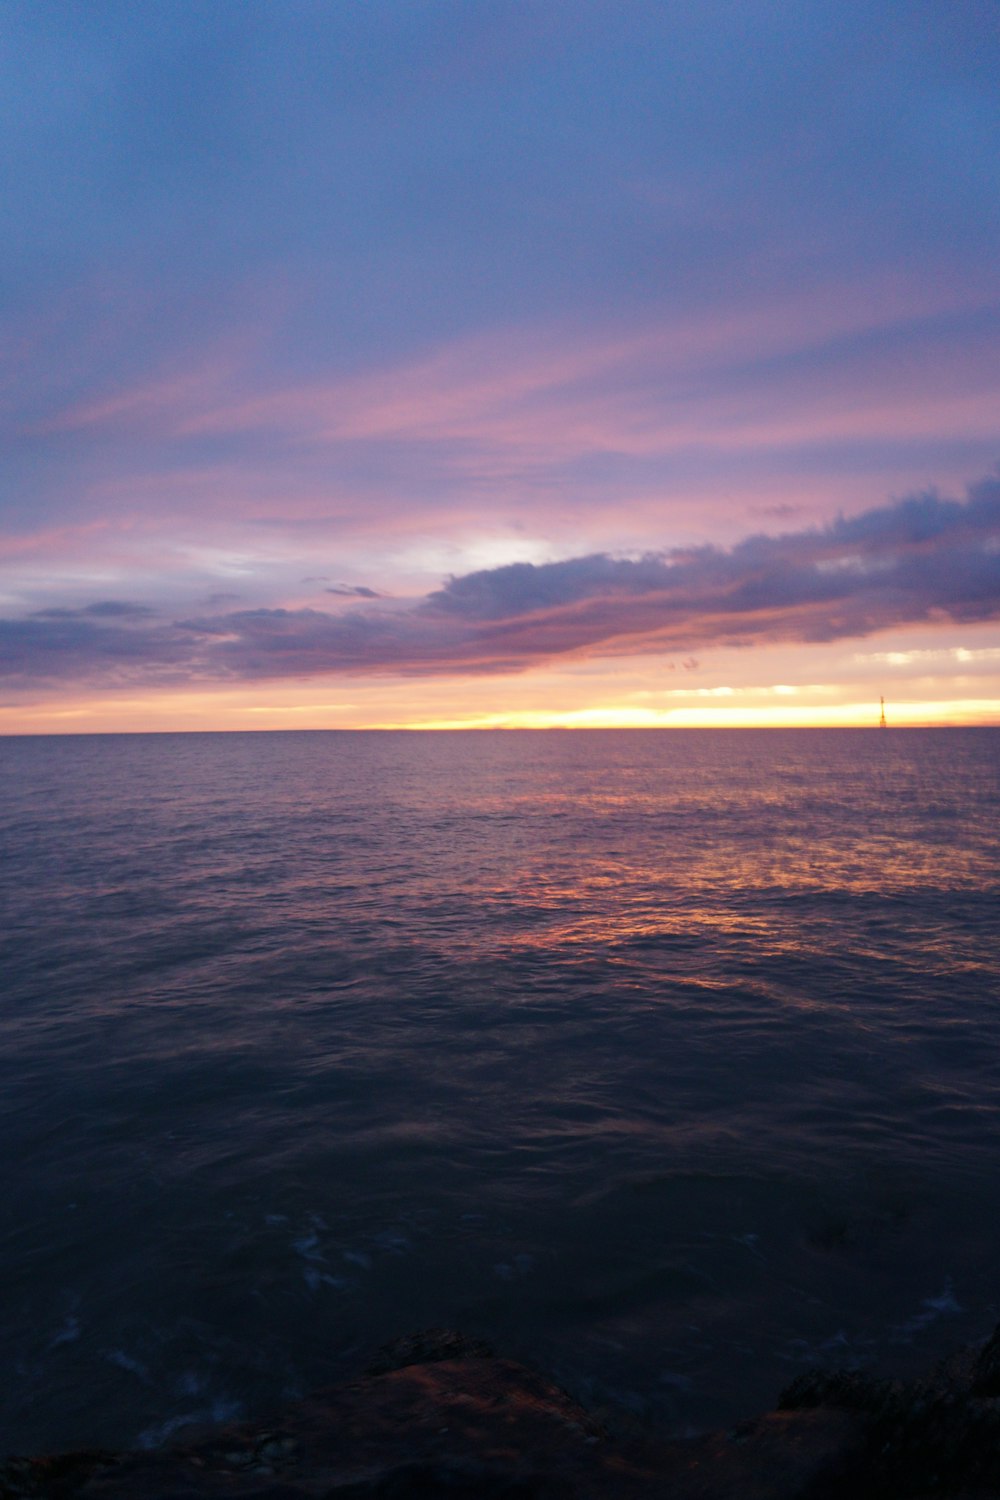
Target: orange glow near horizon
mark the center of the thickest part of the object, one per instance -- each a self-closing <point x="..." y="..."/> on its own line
<point x="845" y="715"/>
<point x="929" y="676"/>
<point x="584" y="699"/>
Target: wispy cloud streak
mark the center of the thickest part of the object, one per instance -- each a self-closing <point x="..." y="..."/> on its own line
<point x="782" y="371"/>
<point x="922" y="559"/>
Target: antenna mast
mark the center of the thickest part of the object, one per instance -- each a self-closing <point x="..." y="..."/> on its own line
<point x="881" y="720"/>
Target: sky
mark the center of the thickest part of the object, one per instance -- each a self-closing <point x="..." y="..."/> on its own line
<point x="425" y="363"/>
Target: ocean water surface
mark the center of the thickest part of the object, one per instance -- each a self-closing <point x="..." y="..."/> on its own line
<point x="669" y="1061"/>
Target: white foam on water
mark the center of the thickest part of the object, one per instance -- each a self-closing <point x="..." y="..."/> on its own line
<point x="308" y="1247"/>
<point x="221" y="1409"/>
<point x="392" y="1240"/>
<point x="315" y="1279"/>
<point x="519" y="1265"/>
<point x="67" y="1334"/>
<point x="125" y="1361"/>
<point x="947" y="1302"/>
<point x="932" y="1308"/>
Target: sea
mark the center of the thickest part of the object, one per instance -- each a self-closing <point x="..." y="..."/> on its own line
<point x="665" y="1061"/>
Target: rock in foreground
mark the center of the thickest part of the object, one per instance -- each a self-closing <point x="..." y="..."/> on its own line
<point x="439" y="1416"/>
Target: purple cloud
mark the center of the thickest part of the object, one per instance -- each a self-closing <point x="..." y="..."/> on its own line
<point x="921" y="559"/>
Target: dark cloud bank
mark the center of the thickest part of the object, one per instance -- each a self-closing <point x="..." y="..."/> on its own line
<point x="917" y="560"/>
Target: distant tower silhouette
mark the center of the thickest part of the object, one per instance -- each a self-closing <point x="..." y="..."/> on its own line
<point x="881" y="717"/>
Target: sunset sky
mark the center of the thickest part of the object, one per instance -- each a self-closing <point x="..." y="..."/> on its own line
<point x="517" y="362"/>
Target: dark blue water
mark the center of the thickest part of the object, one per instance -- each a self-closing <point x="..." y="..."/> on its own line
<point x="667" y="1060"/>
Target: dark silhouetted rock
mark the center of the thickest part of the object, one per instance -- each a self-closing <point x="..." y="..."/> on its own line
<point x="935" y="1436"/>
<point x="986" y="1371"/>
